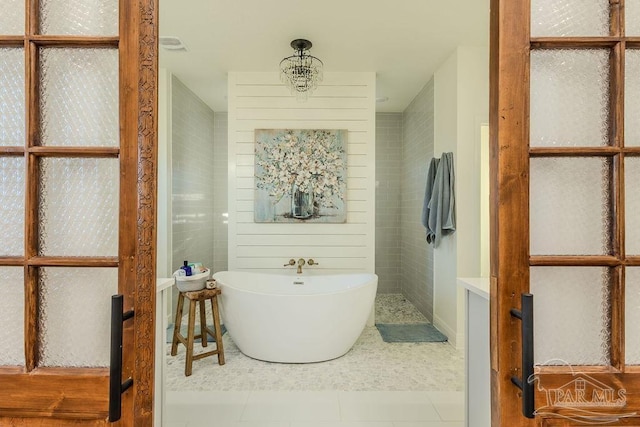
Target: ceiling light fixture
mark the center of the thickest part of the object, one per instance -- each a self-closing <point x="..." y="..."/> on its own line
<point x="301" y="72"/>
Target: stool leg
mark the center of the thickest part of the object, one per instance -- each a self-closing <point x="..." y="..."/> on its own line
<point x="177" y="324"/>
<point x="218" y="331"/>
<point x="191" y="327"/>
<point x="203" y="324"/>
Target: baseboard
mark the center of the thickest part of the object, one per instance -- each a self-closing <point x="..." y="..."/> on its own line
<point x="455" y="339"/>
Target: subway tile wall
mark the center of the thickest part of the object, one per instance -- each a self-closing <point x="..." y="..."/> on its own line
<point x="192" y="160"/>
<point x="416" y="256"/>
<point x="220" y="202"/>
<point x="388" y="166"/>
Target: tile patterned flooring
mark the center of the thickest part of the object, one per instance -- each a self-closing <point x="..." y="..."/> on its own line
<point x="375" y="384"/>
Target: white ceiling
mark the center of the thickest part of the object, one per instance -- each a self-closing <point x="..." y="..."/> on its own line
<point x="403" y="41"/>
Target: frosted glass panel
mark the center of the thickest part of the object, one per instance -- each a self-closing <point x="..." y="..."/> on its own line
<point x="632" y="98"/>
<point x="12" y="17"/>
<point x="632" y="15"/>
<point x="569" y="98"/>
<point x="79" y="97"/>
<point x="571" y="315"/>
<point x="569" y="18"/>
<point x="12" y="206"/>
<point x="570" y="206"/>
<point x="79" y="17"/>
<point x="75" y="315"/>
<point x="12" y="100"/>
<point x="12" y="316"/>
<point x="632" y="316"/>
<point x="79" y="207"/>
<point x="632" y="210"/>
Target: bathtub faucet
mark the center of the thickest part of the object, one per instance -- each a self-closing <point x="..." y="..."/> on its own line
<point x="300" y="264"/>
<point x="293" y="262"/>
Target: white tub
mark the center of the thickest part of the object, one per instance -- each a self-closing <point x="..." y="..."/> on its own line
<point x="295" y="318"/>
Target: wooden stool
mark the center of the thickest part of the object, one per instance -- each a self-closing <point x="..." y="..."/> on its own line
<point x="198" y="297"/>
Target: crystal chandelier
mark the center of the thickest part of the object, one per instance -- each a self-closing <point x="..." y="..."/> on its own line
<point x="301" y="72"/>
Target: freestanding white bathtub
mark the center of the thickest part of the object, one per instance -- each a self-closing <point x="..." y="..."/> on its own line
<point x="295" y="318"/>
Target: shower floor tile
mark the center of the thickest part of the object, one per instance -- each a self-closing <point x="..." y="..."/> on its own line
<point x="395" y="308"/>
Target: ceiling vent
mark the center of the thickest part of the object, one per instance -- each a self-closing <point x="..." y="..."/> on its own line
<point x="172" y="43"/>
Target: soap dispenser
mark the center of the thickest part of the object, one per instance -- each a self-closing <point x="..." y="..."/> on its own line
<point x="186" y="268"/>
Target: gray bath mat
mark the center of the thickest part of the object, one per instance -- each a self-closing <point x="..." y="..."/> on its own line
<point x="414" y="332"/>
<point x="183" y="332"/>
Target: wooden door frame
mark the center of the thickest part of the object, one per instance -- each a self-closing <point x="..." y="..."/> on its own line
<point x="140" y="105"/>
<point x="509" y="200"/>
<point x="43" y="395"/>
<point x="510" y="154"/>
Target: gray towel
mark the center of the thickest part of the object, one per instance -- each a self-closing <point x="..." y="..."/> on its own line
<point x="431" y="177"/>
<point x="438" y="213"/>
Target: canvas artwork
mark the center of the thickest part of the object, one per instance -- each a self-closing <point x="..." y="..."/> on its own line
<point x="300" y="175"/>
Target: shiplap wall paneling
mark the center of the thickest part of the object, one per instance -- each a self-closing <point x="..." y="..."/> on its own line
<point x="342" y="101"/>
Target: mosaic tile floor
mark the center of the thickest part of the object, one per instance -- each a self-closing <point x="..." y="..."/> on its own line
<point x="371" y="365"/>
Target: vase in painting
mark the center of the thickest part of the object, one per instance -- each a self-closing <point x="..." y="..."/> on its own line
<point x="301" y="203"/>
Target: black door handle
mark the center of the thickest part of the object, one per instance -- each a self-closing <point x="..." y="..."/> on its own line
<point x="525" y="314"/>
<point x="116" y="386"/>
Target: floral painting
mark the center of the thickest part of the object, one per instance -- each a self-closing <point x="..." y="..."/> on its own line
<point x="300" y="175"/>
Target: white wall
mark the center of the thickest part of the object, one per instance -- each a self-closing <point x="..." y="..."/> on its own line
<point x="163" y="252"/>
<point x="164" y="266"/>
<point x="343" y="101"/>
<point x="485" y="249"/>
<point x="473" y="112"/>
<point x="461" y="107"/>
<point x="444" y="256"/>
